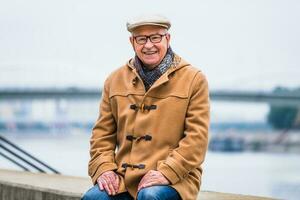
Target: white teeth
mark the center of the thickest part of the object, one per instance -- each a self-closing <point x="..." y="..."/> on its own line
<point x="149" y="53"/>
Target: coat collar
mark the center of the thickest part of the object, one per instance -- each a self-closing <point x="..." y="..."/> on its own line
<point x="177" y="64"/>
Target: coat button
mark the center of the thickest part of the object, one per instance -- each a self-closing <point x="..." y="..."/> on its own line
<point x="134" y="81"/>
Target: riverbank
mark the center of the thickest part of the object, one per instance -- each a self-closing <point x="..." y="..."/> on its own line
<point x="269" y="174"/>
<point x="26" y="186"/>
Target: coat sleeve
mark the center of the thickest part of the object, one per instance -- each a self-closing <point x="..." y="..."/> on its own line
<point x="103" y="139"/>
<point x="192" y="148"/>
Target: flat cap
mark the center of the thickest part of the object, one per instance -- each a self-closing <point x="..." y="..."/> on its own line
<point x="155" y="20"/>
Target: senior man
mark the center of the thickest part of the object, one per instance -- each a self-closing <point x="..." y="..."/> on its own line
<point x="152" y="132"/>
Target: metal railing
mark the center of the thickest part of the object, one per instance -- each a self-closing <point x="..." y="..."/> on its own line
<point x="21" y="158"/>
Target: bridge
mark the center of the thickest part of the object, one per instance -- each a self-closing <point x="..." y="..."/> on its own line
<point x="281" y="98"/>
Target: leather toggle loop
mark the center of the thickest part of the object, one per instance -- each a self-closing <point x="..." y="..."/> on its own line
<point x="130" y="137"/>
<point x="139" y="166"/>
<point x="145" y="137"/>
<point x="134" y="107"/>
<point x="152" y="107"/>
<point x="143" y="107"/>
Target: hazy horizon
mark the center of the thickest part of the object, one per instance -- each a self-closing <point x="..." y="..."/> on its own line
<point x="238" y="44"/>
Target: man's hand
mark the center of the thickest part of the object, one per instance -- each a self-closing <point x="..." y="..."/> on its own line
<point x="109" y="181"/>
<point x="153" y="178"/>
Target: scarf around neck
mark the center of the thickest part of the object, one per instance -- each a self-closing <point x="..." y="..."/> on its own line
<point x="149" y="76"/>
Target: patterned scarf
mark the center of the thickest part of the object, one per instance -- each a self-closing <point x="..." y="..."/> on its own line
<point x="149" y="76"/>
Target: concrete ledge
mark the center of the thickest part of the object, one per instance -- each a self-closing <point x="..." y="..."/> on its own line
<point x="17" y="185"/>
<point x="209" y="195"/>
<point x="9" y="191"/>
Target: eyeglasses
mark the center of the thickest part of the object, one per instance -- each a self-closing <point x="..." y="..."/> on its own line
<point x="155" y="38"/>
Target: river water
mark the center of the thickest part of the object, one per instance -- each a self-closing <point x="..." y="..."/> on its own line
<point x="263" y="174"/>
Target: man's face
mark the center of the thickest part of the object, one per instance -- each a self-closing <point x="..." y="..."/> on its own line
<point x="150" y="53"/>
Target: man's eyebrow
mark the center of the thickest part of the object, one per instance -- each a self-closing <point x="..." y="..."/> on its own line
<point x="164" y="32"/>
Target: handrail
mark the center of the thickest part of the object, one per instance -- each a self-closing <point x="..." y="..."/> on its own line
<point x="15" y="162"/>
<point x="24" y="160"/>
<point x="19" y="157"/>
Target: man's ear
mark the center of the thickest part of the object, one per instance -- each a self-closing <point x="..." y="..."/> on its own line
<point x="168" y="37"/>
<point x="131" y="39"/>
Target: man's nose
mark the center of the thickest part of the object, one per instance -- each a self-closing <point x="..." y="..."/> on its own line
<point x="148" y="43"/>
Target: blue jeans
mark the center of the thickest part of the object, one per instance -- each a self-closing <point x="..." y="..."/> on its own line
<point x="159" y="192"/>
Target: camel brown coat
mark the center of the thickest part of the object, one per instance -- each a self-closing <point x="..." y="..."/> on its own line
<point x="164" y="129"/>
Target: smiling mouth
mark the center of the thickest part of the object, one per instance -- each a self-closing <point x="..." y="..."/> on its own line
<point x="150" y="52"/>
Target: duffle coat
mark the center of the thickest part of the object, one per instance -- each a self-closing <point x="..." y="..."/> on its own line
<point x="164" y="128"/>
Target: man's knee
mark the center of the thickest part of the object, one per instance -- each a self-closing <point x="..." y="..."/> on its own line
<point x="147" y="194"/>
<point x="95" y="194"/>
<point x="158" y="193"/>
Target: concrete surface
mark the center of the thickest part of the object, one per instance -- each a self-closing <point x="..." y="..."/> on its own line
<point x="17" y="185"/>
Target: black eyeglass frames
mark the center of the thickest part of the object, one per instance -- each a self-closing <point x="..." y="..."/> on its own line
<point x="154" y="38"/>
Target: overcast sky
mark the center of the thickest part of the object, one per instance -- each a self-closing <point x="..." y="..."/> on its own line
<point x="238" y="44"/>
